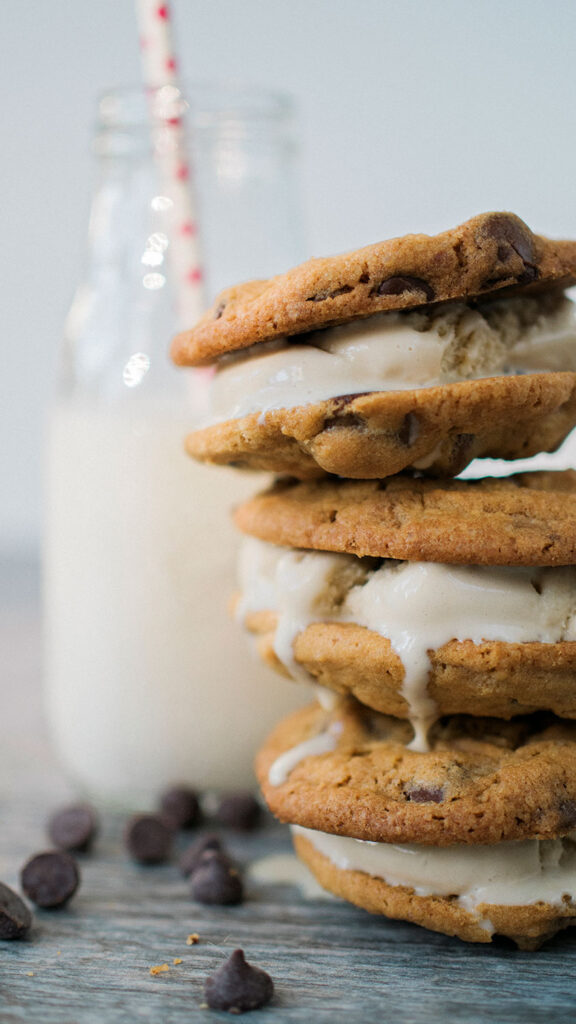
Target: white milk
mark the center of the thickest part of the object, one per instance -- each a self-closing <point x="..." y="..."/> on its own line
<point x="149" y="680"/>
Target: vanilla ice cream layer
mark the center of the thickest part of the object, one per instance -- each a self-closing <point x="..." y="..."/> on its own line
<point x="418" y="606"/>
<point x="397" y="351"/>
<point x="504" y="874"/>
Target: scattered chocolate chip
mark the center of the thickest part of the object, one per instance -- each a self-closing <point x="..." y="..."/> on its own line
<point x="50" y="879"/>
<point x="399" y="285"/>
<point x="239" y="810"/>
<point x="190" y="859"/>
<point x="148" y="839"/>
<point x="15" y="916"/>
<point x="237" y="986"/>
<point x="73" y="828"/>
<point x="219" y="310"/>
<point x="216" y="880"/>
<point x="179" y="807"/>
<point x="425" y="795"/>
<point x="364" y="278"/>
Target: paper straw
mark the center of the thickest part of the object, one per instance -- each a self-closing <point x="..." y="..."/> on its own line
<point x="167" y="109"/>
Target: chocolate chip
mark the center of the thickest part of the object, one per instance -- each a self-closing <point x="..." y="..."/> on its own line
<point x="567" y="811"/>
<point x="512" y="236"/>
<point x="237" y="986"/>
<point x="342" y="401"/>
<point x="50" y="879"/>
<point x="462" y="445"/>
<point x="219" y="310"/>
<point x="179" y="807"/>
<point x="190" y="859"/>
<point x="528" y="275"/>
<point x="364" y="278"/>
<point x="148" y="839"/>
<point x="239" y="810"/>
<point x="73" y="828"/>
<point x="399" y="285"/>
<point x="348" y="419"/>
<point x="15" y="917"/>
<point x="425" y="795"/>
<point x="216" y="880"/>
<point x="327" y="294"/>
<point x="410" y="429"/>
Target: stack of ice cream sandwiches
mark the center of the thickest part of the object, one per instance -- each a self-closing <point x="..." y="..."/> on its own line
<point x="434" y="777"/>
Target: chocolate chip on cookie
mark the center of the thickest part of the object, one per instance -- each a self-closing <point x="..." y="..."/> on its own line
<point x="488" y="253"/>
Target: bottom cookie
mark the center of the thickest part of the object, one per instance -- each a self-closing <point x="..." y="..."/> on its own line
<point x="525" y="891"/>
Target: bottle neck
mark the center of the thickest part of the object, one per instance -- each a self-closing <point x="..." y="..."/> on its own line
<point x="122" y="316"/>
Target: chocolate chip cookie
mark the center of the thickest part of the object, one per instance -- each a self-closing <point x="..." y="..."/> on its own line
<point x="349" y="772"/>
<point x="493" y="678"/>
<point x="492" y="253"/>
<point x="526" y="519"/>
<point x="527" y="923"/>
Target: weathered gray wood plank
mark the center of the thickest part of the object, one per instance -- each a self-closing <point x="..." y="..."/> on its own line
<point x="90" y="964"/>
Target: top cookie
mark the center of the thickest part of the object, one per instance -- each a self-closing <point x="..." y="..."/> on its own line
<point x="525" y="519"/>
<point x="488" y="254"/>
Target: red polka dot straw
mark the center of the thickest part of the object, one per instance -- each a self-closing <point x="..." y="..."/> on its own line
<point x="167" y="107"/>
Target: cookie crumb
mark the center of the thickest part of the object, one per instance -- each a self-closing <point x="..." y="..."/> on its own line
<point x="193" y="939"/>
<point x="159" y="969"/>
<point x="29" y="974"/>
<point x="177" y="960"/>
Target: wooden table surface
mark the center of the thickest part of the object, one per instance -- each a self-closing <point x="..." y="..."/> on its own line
<point x="90" y="964"/>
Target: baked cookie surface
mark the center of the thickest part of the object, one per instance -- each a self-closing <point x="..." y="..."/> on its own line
<point x="491" y="679"/>
<point x="349" y="772"/>
<point x="493" y="253"/>
<point x="371" y="436"/>
<point x="525" y="519"/>
<point x="527" y="925"/>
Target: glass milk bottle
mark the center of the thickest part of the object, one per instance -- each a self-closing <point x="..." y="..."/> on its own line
<point x="148" y="679"/>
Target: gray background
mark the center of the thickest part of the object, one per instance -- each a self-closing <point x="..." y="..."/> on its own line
<point x="414" y="115"/>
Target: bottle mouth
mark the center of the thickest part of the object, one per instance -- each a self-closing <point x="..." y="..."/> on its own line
<point x="227" y="107"/>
